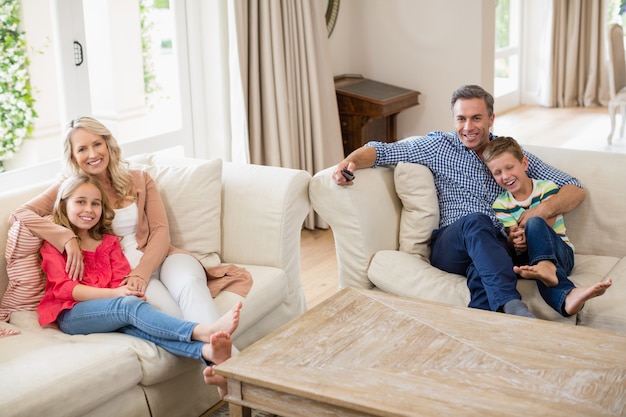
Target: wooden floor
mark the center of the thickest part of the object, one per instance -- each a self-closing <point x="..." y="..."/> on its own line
<point x="574" y="128"/>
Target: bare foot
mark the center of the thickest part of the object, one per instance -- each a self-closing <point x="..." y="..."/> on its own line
<point x="218" y="349"/>
<point x="545" y="271"/>
<point x="576" y="298"/>
<point x="211" y="378"/>
<point x="227" y="323"/>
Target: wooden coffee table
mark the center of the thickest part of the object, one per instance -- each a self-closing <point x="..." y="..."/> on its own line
<point x="366" y="353"/>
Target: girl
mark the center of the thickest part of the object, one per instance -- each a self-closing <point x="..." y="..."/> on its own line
<point x="104" y="301"/>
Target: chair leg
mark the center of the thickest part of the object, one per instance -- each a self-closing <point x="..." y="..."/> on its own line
<point x="612" y="117"/>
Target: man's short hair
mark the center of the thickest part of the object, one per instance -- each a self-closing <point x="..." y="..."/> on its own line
<point x="473" y="91"/>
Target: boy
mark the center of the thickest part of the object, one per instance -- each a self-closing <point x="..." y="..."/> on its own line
<point x="543" y="250"/>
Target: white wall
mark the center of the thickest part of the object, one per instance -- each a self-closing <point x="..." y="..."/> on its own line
<point x="429" y="46"/>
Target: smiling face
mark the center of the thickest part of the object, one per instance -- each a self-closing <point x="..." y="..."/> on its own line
<point x="510" y="174"/>
<point x="90" y="152"/>
<point x="472" y="122"/>
<point x="84" y="207"/>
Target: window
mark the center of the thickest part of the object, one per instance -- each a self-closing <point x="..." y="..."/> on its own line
<point x="124" y="62"/>
<point x="507" y="55"/>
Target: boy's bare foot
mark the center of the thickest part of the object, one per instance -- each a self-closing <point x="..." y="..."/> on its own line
<point x="576" y="298"/>
<point x="545" y="271"/>
<point x="218" y="349"/>
<point x="227" y="323"/>
<point x="211" y="378"/>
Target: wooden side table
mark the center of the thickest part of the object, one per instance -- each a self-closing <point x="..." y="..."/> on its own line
<point x="368" y="109"/>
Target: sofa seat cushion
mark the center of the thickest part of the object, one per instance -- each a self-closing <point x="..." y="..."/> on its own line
<point x="156" y="363"/>
<point x="69" y="379"/>
<point x="605" y="312"/>
<point x="269" y="290"/>
<point x="404" y="274"/>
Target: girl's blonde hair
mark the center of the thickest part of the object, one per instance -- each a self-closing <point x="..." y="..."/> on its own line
<point x="118" y="168"/>
<point x="67" y="188"/>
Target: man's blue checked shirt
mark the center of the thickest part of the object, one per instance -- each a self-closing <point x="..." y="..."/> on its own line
<point x="463" y="182"/>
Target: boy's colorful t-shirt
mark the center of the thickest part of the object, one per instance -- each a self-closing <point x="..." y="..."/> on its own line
<point x="508" y="210"/>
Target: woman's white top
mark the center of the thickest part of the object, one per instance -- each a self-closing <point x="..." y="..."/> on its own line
<point x="125" y="225"/>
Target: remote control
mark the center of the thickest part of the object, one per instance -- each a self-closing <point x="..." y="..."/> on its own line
<point x="347" y="174"/>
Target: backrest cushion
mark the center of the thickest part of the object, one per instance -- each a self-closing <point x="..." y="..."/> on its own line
<point x="420" y="208"/>
<point x="191" y="192"/>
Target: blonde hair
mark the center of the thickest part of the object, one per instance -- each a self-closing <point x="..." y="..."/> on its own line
<point x="67" y="188"/>
<point x="500" y="145"/>
<point x="118" y="168"/>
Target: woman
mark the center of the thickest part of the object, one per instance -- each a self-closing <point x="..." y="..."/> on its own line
<point x="172" y="280"/>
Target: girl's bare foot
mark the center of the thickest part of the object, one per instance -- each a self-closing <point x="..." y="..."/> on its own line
<point x="218" y="349"/>
<point x="211" y="378"/>
<point x="576" y="298"/>
<point x="227" y="323"/>
<point x="545" y="271"/>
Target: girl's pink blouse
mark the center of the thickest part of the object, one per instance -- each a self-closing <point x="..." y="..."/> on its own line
<point x="106" y="267"/>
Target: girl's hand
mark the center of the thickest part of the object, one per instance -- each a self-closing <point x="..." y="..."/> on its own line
<point x="135" y="282"/>
<point x="126" y="290"/>
<point x="74" y="265"/>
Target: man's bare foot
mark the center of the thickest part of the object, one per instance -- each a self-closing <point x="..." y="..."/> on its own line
<point x="227" y="323"/>
<point x="211" y="378"/>
<point x="545" y="271"/>
<point x="218" y="349"/>
<point x="576" y="298"/>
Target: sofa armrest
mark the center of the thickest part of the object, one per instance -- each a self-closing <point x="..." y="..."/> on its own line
<point x="364" y="218"/>
<point x="263" y="209"/>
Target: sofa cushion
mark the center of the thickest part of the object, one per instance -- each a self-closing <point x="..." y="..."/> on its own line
<point x="269" y="291"/>
<point x="420" y="208"/>
<point x="607" y="311"/>
<point x="25" y="277"/>
<point x="191" y="188"/>
<point x="41" y="376"/>
<point x="404" y="274"/>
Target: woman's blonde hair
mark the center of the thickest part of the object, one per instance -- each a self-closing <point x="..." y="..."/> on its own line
<point x="67" y="188"/>
<point x="118" y="168"/>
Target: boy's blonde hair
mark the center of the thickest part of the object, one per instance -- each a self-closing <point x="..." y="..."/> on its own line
<point x="117" y="170"/>
<point x="500" y="145"/>
<point x="67" y="188"/>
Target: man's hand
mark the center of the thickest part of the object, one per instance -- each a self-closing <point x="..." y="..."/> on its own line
<point x="532" y="212"/>
<point x="338" y="177"/>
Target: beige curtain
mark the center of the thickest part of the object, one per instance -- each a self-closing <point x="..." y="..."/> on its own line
<point x="288" y="85"/>
<point x="577" y="76"/>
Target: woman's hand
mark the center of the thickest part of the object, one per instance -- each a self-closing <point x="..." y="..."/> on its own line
<point x="74" y="265"/>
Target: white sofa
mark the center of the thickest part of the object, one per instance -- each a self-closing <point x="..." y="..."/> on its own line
<point x="248" y="215"/>
<point x="382" y="226"/>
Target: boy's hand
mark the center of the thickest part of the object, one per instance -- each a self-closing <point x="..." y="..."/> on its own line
<point x="518" y="238"/>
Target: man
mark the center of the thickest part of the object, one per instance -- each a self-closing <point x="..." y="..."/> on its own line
<point x="470" y="240"/>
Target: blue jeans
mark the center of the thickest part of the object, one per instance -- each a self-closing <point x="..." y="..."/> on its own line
<point x="544" y="244"/>
<point x="133" y="316"/>
<point x="472" y="246"/>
